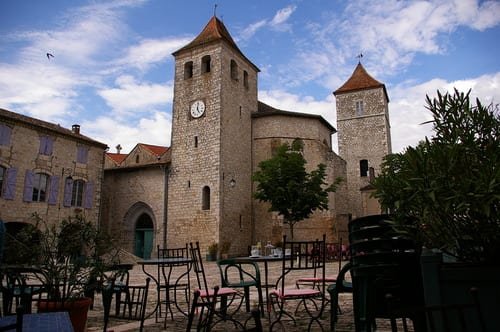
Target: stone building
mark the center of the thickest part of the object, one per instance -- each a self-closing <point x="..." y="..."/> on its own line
<point x="202" y="191"/>
<point x="48" y="170"/>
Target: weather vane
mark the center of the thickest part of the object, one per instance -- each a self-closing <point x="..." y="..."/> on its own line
<point x="215" y="9"/>
<point x="359" y="56"/>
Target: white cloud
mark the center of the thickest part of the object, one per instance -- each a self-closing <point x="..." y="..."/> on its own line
<point x="278" y="22"/>
<point x="154" y="129"/>
<point x="151" y="51"/>
<point x="133" y="96"/>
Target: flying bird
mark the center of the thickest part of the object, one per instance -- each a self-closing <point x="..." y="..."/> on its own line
<point x="49" y="55"/>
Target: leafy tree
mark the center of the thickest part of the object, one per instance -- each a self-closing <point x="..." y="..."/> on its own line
<point x="448" y="186"/>
<point x="291" y="191"/>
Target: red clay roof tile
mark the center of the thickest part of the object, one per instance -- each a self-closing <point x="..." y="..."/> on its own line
<point x="360" y="80"/>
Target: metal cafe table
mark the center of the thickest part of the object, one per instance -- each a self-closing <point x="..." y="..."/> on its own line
<point x="41" y="322"/>
<point x="169" y="262"/>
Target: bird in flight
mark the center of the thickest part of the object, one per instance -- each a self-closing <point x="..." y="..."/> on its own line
<point x="49" y="55"/>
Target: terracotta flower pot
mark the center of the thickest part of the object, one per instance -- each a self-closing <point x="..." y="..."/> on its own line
<point x="77" y="309"/>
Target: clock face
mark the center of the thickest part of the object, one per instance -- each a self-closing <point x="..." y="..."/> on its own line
<point x="197" y="109"/>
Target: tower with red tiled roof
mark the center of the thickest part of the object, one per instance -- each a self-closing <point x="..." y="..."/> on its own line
<point x="363" y="127"/>
<point x="210" y="188"/>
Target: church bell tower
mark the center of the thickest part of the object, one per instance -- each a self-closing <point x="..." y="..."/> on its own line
<point x="209" y="190"/>
<point x="364" y="135"/>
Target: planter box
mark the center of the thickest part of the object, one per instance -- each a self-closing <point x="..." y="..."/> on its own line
<point x="450" y="283"/>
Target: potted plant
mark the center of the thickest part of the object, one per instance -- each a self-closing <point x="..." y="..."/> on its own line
<point x="213" y="248"/>
<point x="448" y="189"/>
<point x="224" y="249"/>
<point x="69" y="259"/>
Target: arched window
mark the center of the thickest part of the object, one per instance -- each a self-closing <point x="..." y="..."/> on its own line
<point x="205" y="64"/>
<point x="188" y="70"/>
<point x="40" y="181"/>
<point x="205" y="198"/>
<point x="77" y="193"/>
<point x="245" y="79"/>
<point x="234" y="70"/>
<point x="363" y="167"/>
<point x="2" y="177"/>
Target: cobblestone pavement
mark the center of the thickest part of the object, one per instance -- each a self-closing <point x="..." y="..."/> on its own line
<point x="137" y="277"/>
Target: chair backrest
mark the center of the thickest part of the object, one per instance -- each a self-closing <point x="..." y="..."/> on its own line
<point x="197" y="266"/>
<point x="133" y="307"/>
<point x="181" y="252"/>
<point x="384" y="260"/>
<point x="205" y="310"/>
<point x="238" y="274"/>
<point x="305" y="256"/>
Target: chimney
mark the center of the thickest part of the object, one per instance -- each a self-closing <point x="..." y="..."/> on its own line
<point x="76" y="129"/>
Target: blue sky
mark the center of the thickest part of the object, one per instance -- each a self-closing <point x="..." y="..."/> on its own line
<point x="112" y="70"/>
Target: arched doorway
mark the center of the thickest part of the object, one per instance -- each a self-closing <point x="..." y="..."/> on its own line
<point x="143" y="236"/>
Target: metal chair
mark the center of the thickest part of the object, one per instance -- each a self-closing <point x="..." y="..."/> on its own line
<point x="340" y="286"/>
<point x="165" y="273"/>
<point x="204" y="309"/>
<point x="132" y="308"/>
<point x="241" y="275"/>
<point x="18" y="325"/>
<point x="227" y="295"/>
<point x="306" y="256"/>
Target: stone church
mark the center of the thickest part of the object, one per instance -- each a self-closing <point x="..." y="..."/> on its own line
<point x="200" y="188"/>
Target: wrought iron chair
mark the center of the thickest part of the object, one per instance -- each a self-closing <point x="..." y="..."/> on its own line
<point x="306" y="256"/>
<point x="383" y="260"/>
<point x="241" y="275"/>
<point x="133" y="307"/>
<point x="165" y="274"/>
<point x="227" y="295"/>
<point x="204" y="309"/>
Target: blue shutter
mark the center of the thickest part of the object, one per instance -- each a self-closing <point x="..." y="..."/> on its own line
<point x="68" y="190"/>
<point x="50" y="146"/>
<point x="5" y="133"/>
<point x="89" y="195"/>
<point x="43" y="143"/>
<point x="81" y="154"/>
<point x="53" y="190"/>
<point x="46" y="144"/>
<point x="10" y="183"/>
<point x="28" y="187"/>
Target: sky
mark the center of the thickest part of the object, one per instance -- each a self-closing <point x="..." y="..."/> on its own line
<point x="112" y="69"/>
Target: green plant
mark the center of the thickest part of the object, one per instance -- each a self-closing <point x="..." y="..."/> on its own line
<point x="213" y="248"/>
<point x="284" y="182"/>
<point x="225" y="246"/>
<point x="68" y="257"/>
<point x="448" y="187"/>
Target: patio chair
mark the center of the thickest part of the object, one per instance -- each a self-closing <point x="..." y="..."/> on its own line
<point x="204" y="309"/>
<point x="227" y="295"/>
<point x="132" y="308"/>
<point x="306" y="256"/>
<point x="383" y="261"/>
<point x="165" y="274"/>
<point x="340" y="286"/>
<point x="241" y="275"/>
<point x="17" y="292"/>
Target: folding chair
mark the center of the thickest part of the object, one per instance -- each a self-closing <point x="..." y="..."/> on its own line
<point x="306" y="256"/>
<point x="227" y="295"/>
<point x="132" y="308"/>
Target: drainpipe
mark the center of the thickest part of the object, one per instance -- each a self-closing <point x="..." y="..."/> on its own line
<point x="165" y="205"/>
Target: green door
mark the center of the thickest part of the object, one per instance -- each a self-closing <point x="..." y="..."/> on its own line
<point x="143" y="237"/>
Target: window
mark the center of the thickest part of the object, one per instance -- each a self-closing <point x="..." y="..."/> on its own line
<point x="196" y="141"/>
<point x="40" y="181"/>
<point x="2" y="177"/>
<point x="245" y="79"/>
<point x="205" y="198"/>
<point x="363" y="167"/>
<point x="5" y="133"/>
<point x="82" y="154"/>
<point x="359" y="107"/>
<point x="46" y="145"/>
<point x="205" y="64"/>
<point x="137" y="159"/>
<point x="188" y="70"/>
<point x="234" y="70"/>
<point x="77" y="193"/>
